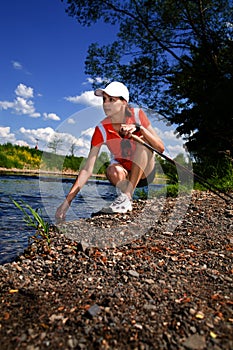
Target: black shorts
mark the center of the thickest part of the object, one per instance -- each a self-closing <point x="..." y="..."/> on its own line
<point x="147" y="180"/>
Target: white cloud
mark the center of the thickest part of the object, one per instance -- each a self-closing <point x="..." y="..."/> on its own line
<point x="6" y="105"/>
<point x="88" y="133"/>
<point x="95" y="80"/>
<point x="22" y="104"/>
<point x="22" y="143"/>
<point x="86" y="98"/>
<point x="169" y="135"/>
<point x="51" y="116"/>
<point x="82" y="144"/>
<point x="71" y="121"/>
<point x="24" y="91"/>
<point x="35" y="115"/>
<point x="17" y="65"/>
<point x="42" y="134"/>
<point x="6" y="135"/>
<point x="174" y="144"/>
<point x="174" y="150"/>
<point x="42" y="137"/>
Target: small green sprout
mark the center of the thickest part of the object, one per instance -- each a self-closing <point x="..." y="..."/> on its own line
<point x="34" y="220"/>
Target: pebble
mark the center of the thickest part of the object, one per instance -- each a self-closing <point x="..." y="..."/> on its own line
<point x="93" y="310"/>
<point x="133" y="273"/>
<point x="149" y="281"/>
<point x="195" y="342"/>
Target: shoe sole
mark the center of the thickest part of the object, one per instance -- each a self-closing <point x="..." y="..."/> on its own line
<point x="110" y="211"/>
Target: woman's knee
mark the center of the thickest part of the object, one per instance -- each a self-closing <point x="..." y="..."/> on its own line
<point x="116" y="173"/>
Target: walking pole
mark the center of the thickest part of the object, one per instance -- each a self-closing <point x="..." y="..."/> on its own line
<point x="202" y="181"/>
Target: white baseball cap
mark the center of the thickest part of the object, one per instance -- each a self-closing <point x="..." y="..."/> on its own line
<point x="114" y="89"/>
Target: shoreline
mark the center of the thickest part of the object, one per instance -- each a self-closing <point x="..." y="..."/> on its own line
<point x="43" y="172"/>
<point x="68" y="173"/>
<point x="163" y="290"/>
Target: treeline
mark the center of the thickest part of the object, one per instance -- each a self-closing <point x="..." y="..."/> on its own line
<point x="22" y="157"/>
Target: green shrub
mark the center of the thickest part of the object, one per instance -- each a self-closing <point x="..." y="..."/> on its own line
<point x="219" y="175"/>
<point x="172" y="191"/>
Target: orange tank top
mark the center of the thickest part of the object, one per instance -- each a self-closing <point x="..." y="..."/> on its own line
<point x="121" y="149"/>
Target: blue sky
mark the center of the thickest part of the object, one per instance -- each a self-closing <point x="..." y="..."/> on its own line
<point x="43" y="86"/>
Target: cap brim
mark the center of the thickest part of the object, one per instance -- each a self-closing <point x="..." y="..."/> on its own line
<point x="99" y="92"/>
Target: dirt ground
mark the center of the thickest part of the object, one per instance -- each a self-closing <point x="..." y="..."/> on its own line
<point x="163" y="289"/>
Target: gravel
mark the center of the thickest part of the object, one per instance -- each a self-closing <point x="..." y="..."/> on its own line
<point x="150" y="279"/>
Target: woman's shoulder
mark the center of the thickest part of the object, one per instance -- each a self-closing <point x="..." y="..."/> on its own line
<point x="136" y="110"/>
<point x="136" y="113"/>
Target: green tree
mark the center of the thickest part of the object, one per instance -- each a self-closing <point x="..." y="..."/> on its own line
<point x="176" y="58"/>
<point x="73" y="163"/>
<point x="102" y="163"/>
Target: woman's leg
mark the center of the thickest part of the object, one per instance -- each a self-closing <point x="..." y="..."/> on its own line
<point x="143" y="163"/>
<point x="142" y="166"/>
<point x="118" y="176"/>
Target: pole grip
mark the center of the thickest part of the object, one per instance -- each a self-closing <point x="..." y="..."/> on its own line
<point x="138" y="139"/>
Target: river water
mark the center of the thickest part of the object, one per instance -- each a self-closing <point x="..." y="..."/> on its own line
<point x="45" y="193"/>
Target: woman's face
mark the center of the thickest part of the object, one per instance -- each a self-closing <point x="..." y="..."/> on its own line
<point x="113" y="106"/>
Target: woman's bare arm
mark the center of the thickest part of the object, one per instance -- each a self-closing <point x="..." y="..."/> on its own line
<point x="80" y="181"/>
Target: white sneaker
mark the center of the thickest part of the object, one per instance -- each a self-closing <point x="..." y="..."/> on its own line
<point x="121" y="205"/>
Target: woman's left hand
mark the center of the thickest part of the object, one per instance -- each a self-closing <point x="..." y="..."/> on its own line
<point x="127" y="130"/>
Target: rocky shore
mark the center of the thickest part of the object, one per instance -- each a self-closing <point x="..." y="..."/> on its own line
<point x="164" y="283"/>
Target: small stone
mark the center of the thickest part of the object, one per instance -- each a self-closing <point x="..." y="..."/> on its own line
<point x="133" y="273"/>
<point x="150" y="307"/>
<point x="72" y="343"/>
<point x="138" y="326"/>
<point x="213" y="335"/>
<point x="195" y="341"/>
<point x="192" y="311"/>
<point x="48" y="262"/>
<point x="93" y="311"/>
<point x="30" y="331"/>
<point x="193" y="329"/>
<point x="67" y="251"/>
<point x="82" y="246"/>
<point x="149" y="281"/>
<point x="200" y="315"/>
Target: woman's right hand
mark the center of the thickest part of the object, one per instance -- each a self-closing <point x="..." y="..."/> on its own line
<point x="61" y="211"/>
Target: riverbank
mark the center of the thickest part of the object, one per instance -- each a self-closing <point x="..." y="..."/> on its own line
<point x="163" y="290"/>
<point x="65" y="173"/>
<point x="44" y="172"/>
